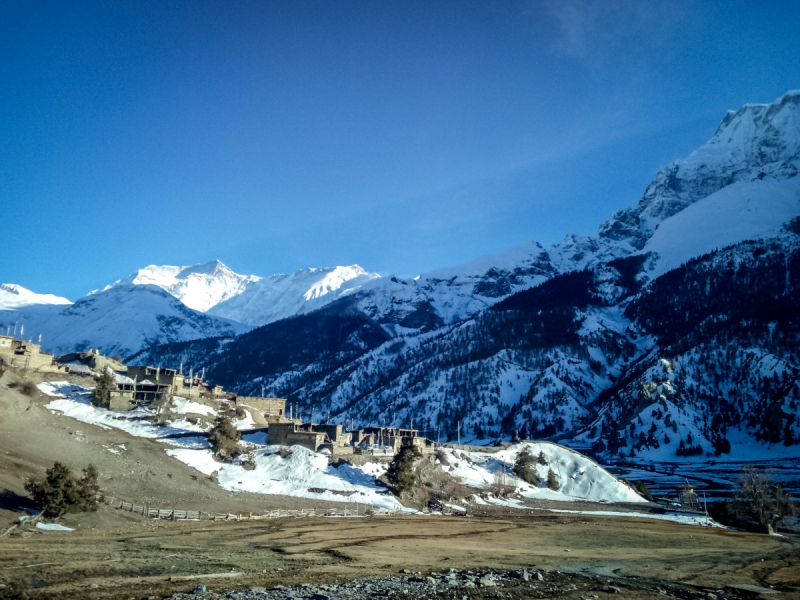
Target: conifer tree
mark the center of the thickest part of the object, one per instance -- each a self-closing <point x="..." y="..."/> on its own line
<point x="101" y="395"/>
<point x="401" y="470"/>
<point x="525" y="468"/>
<point x="552" y="480"/>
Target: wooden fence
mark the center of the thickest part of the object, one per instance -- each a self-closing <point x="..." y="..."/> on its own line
<point x="196" y="515"/>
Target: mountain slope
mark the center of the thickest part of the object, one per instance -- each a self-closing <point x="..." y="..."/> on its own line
<point x="121" y="320"/>
<point x="272" y="298"/>
<point x="741" y="184"/>
<point x="586" y="341"/>
<point x="199" y="287"/>
<point x="14" y="296"/>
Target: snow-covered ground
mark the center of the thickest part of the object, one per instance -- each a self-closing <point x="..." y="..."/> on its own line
<point x="685" y="518"/>
<point x="302" y="474"/>
<point x="53" y="527"/>
<point x="579" y="477"/>
<point x="76" y="402"/>
<point x="184" y="406"/>
<point x="741" y="211"/>
<point x="306" y="474"/>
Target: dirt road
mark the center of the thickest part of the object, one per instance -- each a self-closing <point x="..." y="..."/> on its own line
<point x="117" y="555"/>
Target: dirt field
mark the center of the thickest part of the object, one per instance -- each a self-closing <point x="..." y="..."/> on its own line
<point x="32" y="438"/>
<point x="114" y="555"/>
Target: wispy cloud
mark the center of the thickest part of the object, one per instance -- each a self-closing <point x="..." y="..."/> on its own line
<point x="588" y="27"/>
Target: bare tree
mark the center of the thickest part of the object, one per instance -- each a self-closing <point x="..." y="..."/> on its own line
<point x="762" y="500"/>
<point x="161" y="405"/>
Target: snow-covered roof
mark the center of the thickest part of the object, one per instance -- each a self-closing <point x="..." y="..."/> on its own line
<point x="119" y="378"/>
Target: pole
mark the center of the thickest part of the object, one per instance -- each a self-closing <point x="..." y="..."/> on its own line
<point x="459" y="433"/>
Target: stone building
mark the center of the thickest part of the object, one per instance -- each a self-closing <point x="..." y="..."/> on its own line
<point x="123" y="396"/>
<point x="688" y="497"/>
<point x="395" y="439"/>
<point x="151" y="381"/>
<point x="301" y="434"/>
<point x="273" y="409"/>
<point x="92" y="360"/>
<point x="27" y="356"/>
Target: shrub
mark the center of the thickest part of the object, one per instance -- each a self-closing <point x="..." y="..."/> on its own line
<point x="552" y="480"/>
<point x="284" y="452"/>
<point x="724" y="512"/>
<point x="60" y="492"/>
<point x="224" y="438"/>
<point x="542" y="458"/>
<point x="401" y="470"/>
<point x="240" y="412"/>
<point x="27" y="387"/>
<point x="525" y="468"/>
<point x="642" y="489"/>
<point x="101" y="395"/>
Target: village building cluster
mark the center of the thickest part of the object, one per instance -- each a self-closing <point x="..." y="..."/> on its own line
<point x="142" y="385"/>
<point x="27" y="356"/>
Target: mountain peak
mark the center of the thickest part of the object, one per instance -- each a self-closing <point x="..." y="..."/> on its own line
<point x="14" y="296"/>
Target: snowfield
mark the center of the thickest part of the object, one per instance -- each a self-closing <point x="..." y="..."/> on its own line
<point x="302" y="474"/>
<point x="580" y="478"/>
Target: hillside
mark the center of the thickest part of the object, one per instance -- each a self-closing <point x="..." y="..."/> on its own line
<point x="570" y="343"/>
<point x="121" y="320"/>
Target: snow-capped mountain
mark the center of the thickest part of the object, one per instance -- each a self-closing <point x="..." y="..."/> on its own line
<point x="13" y="296"/>
<point x="280" y="296"/>
<point x="121" y="320"/>
<point x="741" y="184"/>
<point x="572" y="342"/>
<point x="249" y="299"/>
<point x="200" y="287"/>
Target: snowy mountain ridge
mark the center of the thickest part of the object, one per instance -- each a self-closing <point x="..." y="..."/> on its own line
<point x="269" y="299"/>
<point x="13" y="296"/>
<point x="200" y="286"/>
<point x="216" y="289"/>
<point x="570" y="343"/>
<point x="121" y="320"/>
<point x="740" y="185"/>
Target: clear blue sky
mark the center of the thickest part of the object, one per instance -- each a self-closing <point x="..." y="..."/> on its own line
<point x="403" y="136"/>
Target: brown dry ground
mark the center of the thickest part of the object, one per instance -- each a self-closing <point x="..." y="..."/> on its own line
<point x="32" y="438"/>
<point x="116" y="555"/>
<point x="112" y="554"/>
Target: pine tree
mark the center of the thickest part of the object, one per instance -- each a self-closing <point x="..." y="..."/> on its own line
<point x="525" y="468"/>
<point x="788" y="435"/>
<point x="401" y="470"/>
<point x="542" y="458"/>
<point x="224" y="438"/>
<point x="552" y="480"/>
<point x="60" y="493"/>
<point x="101" y="395"/>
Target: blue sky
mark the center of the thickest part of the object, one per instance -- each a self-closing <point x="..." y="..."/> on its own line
<point x="402" y="136"/>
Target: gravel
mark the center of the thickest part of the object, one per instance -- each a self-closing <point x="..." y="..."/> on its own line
<point x="524" y="583"/>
